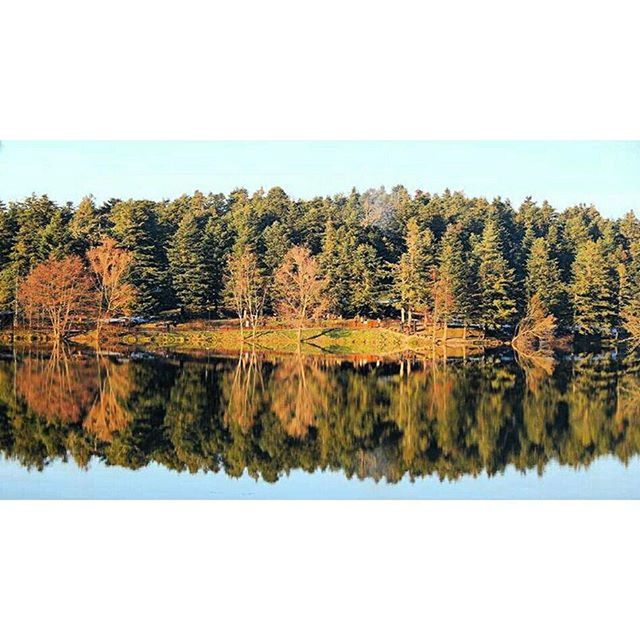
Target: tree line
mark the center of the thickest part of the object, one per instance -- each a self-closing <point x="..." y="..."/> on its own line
<point x="447" y="257"/>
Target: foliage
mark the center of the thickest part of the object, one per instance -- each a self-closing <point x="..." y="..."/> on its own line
<point x="58" y="293"/>
<point x="300" y="291"/>
<point x="461" y="260"/>
<point x="536" y="331"/>
<point x="109" y="266"/>
<point x="594" y="289"/>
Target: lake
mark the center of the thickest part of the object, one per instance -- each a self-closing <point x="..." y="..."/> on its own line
<point x="75" y="424"/>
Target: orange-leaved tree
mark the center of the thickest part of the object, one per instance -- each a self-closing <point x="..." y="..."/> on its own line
<point x="58" y="293"/>
<point x="109" y="266"/>
<point x="300" y="289"/>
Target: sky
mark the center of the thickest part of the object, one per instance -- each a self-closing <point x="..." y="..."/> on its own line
<point x="603" y="173"/>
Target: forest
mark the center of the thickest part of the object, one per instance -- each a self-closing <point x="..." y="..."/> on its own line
<point x="446" y="258"/>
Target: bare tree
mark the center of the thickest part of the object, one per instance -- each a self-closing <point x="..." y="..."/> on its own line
<point x="109" y="265"/>
<point x="299" y="288"/>
<point x="58" y="292"/>
<point x="246" y="288"/>
<point x="536" y="331"/>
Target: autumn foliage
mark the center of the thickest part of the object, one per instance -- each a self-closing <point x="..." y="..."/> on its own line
<point x="58" y="294"/>
<point x="300" y="288"/>
<point x="109" y="265"/>
<point x="536" y="331"/>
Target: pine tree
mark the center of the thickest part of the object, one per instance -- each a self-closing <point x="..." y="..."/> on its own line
<point x="630" y="229"/>
<point x="274" y="245"/>
<point x="188" y="266"/>
<point x="630" y="292"/>
<point x="454" y="277"/>
<point x="32" y="218"/>
<point x="8" y="228"/>
<point x="135" y="227"/>
<point x="335" y="262"/>
<point x="495" y="279"/>
<point x="55" y="239"/>
<point x="594" y="290"/>
<point x="543" y="279"/>
<point x="217" y="242"/>
<point x="366" y="277"/>
<point x="85" y="225"/>
<point x="411" y="273"/>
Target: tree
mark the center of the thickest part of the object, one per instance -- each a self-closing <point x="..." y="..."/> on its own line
<point x="217" y="243"/>
<point x="366" y="275"/>
<point x="496" y="279"/>
<point x="411" y="273"/>
<point x="593" y="290"/>
<point x="59" y="292"/>
<point x="452" y="285"/>
<point x="543" y="278"/>
<point x="188" y="265"/>
<point x="299" y="288"/>
<point x="536" y="331"/>
<point x="246" y="288"/>
<point x="335" y="260"/>
<point x="109" y="266"/>
<point x="630" y="292"/>
<point x="85" y="225"/>
<point x="275" y="244"/>
<point x="135" y="226"/>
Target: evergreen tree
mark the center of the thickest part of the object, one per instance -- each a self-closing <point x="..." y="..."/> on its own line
<point x="85" y="226"/>
<point x="32" y="217"/>
<point x="274" y="244"/>
<point x="411" y="273"/>
<point x="630" y="229"/>
<point x="594" y="289"/>
<point x="455" y="277"/>
<point x="366" y="275"/>
<point x="543" y="279"/>
<point x="55" y="239"/>
<point x="136" y="229"/>
<point x="335" y="262"/>
<point x="217" y="242"/>
<point x="188" y="266"/>
<point x="495" y="279"/>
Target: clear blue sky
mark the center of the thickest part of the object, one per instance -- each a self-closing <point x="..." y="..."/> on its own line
<point x="606" y="174"/>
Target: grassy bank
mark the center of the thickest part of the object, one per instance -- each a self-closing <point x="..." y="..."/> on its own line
<point x="366" y="340"/>
<point x="336" y="340"/>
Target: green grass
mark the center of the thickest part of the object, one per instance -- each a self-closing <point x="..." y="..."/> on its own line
<point x="366" y="341"/>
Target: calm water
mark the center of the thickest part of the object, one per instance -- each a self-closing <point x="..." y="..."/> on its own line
<point x="76" y="425"/>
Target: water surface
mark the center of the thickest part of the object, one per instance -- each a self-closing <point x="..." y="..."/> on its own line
<point x="79" y="425"/>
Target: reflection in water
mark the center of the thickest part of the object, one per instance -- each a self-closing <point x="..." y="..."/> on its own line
<point x="270" y="415"/>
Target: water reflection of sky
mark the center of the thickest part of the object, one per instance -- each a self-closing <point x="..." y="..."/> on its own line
<point x="605" y="478"/>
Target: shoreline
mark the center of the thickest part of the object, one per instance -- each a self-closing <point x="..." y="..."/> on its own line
<point x="327" y="340"/>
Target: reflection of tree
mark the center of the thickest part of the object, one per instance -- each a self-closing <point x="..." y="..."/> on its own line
<point x="245" y="393"/>
<point x="267" y="416"/>
<point x="299" y="390"/>
<point x="409" y="408"/>
<point x="55" y="387"/>
<point x="190" y="418"/>
<point x="109" y="412"/>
